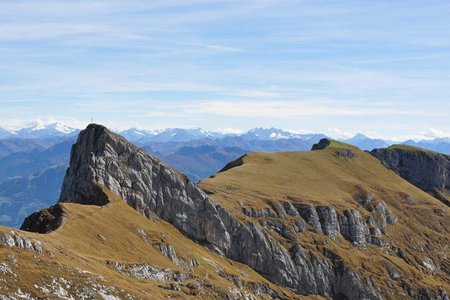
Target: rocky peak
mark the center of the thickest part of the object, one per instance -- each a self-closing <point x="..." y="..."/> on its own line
<point x="101" y="158"/>
<point x="325" y="143"/>
<point x="45" y="220"/>
<point x="322" y="144"/>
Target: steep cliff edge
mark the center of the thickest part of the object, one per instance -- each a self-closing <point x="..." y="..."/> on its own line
<point x="103" y="158"/>
<point x="332" y="222"/>
<point x="428" y="170"/>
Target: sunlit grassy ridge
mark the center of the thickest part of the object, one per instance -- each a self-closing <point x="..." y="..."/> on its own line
<point x="410" y="148"/>
<point x="324" y="178"/>
<point x="319" y="177"/>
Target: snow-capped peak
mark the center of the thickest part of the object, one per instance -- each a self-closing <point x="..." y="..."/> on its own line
<point x="58" y="126"/>
<point x="5" y="133"/>
<point x="41" y="130"/>
<point x="136" y="135"/>
<point x="38" y="125"/>
<point x="267" y="134"/>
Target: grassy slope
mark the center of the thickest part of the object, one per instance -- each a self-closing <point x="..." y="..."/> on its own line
<point x="323" y="178"/>
<point x="77" y="245"/>
<point x="318" y="177"/>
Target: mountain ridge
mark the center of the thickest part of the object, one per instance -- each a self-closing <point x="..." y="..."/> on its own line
<point x="280" y="226"/>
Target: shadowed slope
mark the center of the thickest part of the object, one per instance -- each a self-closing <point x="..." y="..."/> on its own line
<point x="428" y="170"/>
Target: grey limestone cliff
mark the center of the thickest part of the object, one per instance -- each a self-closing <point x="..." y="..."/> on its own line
<point x="428" y="170"/>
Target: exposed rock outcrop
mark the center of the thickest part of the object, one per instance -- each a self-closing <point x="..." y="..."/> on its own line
<point x="259" y="213"/>
<point x="346" y="153"/>
<point x="354" y="228"/>
<point x="289" y="208"/>
<point x="349" y="224"/>
<point x="309" y="213"/>
<point x="382" y="215"/>
<point x="328" y="220"/>
<point x="429" y="171"/>
<point x="234" y="163"/>
<point x="15" y="240"/>
<point x="148" y="272"/>
<point x="45" y="220"/>
<point x="322" y="144"/>
<point x="325" y="142"/>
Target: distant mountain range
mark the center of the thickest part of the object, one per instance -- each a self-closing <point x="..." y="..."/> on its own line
<point x="187" y="135"/>
<point x="40" y="133"/>
<point x="23" y="195"/>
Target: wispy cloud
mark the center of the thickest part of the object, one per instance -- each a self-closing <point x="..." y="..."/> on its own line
<point x="221" y="48"/>
<point x="293" y="109"/>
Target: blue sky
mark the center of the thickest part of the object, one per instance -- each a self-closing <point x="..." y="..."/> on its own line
<point x="338" y="67"/>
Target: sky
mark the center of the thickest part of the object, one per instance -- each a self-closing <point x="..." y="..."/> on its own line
<point x="337" y="67"/>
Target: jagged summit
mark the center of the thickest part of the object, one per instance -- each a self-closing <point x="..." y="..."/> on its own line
<point x="96" y="160"/>
<point x="322" y="144"/>
<point x="81" y="182"/>
<point x="101" y="158"/>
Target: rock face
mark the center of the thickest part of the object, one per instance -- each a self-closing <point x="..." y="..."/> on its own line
<point x="354" y="228"/>
<point x="309" y="214"/>
<point x="101" y="158"/>
<point x="328" y="220"/>
<point x="429" y="171"/>
<point x="15" y="240"/>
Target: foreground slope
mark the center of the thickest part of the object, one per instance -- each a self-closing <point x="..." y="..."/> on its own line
<point x="113" y="252"/>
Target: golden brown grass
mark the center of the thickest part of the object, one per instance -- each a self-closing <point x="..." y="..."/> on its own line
<point x="93" y="235"/>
